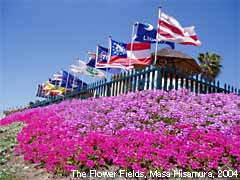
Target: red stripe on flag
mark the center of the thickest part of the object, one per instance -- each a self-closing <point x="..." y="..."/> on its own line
<point x="144" y="61"/>
<point x="194" y="37"/>
<point x="165" y="34"/>
<point x="138" y="46"/>
<point x="189" y="43"/>
<point x="117" y="59"/>
<point x="170" y="27"/>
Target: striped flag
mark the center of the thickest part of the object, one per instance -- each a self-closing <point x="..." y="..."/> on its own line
<point x="139" y="53"/>
<point x="169" y="29"/>
<point x="130" y="54"/>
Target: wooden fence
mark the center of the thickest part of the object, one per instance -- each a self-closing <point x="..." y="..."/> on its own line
<point x="149" y="78"/>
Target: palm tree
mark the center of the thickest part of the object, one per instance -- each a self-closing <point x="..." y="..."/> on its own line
<point x="210" y="64"/>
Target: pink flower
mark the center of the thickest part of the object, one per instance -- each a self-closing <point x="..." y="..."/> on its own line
<point x="90" y="164"/>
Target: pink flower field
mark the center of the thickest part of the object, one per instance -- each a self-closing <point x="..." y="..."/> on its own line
<point x="147" y="130"/>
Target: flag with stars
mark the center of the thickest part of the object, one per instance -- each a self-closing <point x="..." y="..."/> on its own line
<point x="118" y="53"/>
<point x="130" y="54"/>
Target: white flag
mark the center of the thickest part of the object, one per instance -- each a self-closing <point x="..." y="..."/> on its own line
<point x="82" y="68"/>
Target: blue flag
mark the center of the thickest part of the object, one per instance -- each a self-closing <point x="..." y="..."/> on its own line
<point x="40" y="92"/>
<point x="66" y="79"/>
<point x="92" y="59"/>
<point x="102" y="60"/>
<point x="146" y="33"/>
<point x="102" y="55"/>
<point x="118" y="49"/>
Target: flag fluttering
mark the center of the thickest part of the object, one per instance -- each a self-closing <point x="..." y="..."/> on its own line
<point x="102" y="57"/>
<point x="48" y="86"/>
<point x="92" y="59"/>
<point x="147" y="33"/>
<point x="169" y="29"/>
<point x="48" y="89"/>
<point x="40" y="91"/>
<point x="118" y="55"/>
<point x="139" y="53"/>
<point x="130" y="54"/>
<point x="56" y="92"/>
<point x="99" y="60"/>
<point x="82" y="68"/>
<point x="67" y="80"/>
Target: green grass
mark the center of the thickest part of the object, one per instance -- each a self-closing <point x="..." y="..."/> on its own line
<point x="7" y="142"/>
<point x="6" y="175"/>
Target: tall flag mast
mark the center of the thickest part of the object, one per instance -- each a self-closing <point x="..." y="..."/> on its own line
<point x="157" y="36"/>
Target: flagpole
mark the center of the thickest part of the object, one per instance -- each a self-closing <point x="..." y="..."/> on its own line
<point x="96" y="56"/>
<point x="110" y="50"/>
<point x="81" y="76"/>
<point x="158" y="27"/>
<point x="73" y="80"/>
<point x="74" y="76"/>
<point x="67" y="79"/>
<point x="133" y="30"/>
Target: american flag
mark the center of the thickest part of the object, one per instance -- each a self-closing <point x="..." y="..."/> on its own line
<point x="169" y="29"/>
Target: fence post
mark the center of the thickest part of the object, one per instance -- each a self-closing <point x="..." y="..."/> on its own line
<point x="102" y="93"/>
<point x="191" y="82"/>
<point x="138" y="79"/>
<point x="229" y="90"/>
<point x="225" y="88"/>
<point x="187" y="81"/>
<point x="205" y="86"/>
<point x="181" y="79"/>
<point x="159" y="78"/>
<point x="135" y="81"/>
<point x="218" y="86"/>
<point x="95" y="89"/>
<point x="165" y="75"/>
<point x="196" y="84"/>
<point x="171" y="78"/>
<point x="116" y="85"/>
<point x="214" y="86"/>
<point x="109" y="89"/>
<point x="153" y="77"/>
<point x="123" y="82"/>
<point x="201" y="83"/>
<point x="131" y="80"/>
<point x="105" y="87"/>
<point x="143" y="79"/>
<point x="176" y="78"/>
<point x="99" y="88"/>
<point x="148" y="77"/>
<point x="210" y="87"/>
<point x="127" y="81"/>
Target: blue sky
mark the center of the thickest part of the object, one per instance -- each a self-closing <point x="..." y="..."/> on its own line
<point x="38" y="38"/>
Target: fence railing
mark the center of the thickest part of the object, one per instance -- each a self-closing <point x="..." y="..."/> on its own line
<point x="149" y="78"/>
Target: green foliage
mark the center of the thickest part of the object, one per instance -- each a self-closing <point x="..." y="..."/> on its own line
<point x="8" y="140"/>
<point x="6" y="174"/>
<point x="210" y="64"/>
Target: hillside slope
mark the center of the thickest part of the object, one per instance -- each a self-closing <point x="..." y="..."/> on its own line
<point x="143" y="131"/>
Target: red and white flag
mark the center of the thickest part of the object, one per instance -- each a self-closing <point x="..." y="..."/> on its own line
<point x="129" y="54"/>
<point x="169" y="29"/>
<point x="139" y="53"/>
